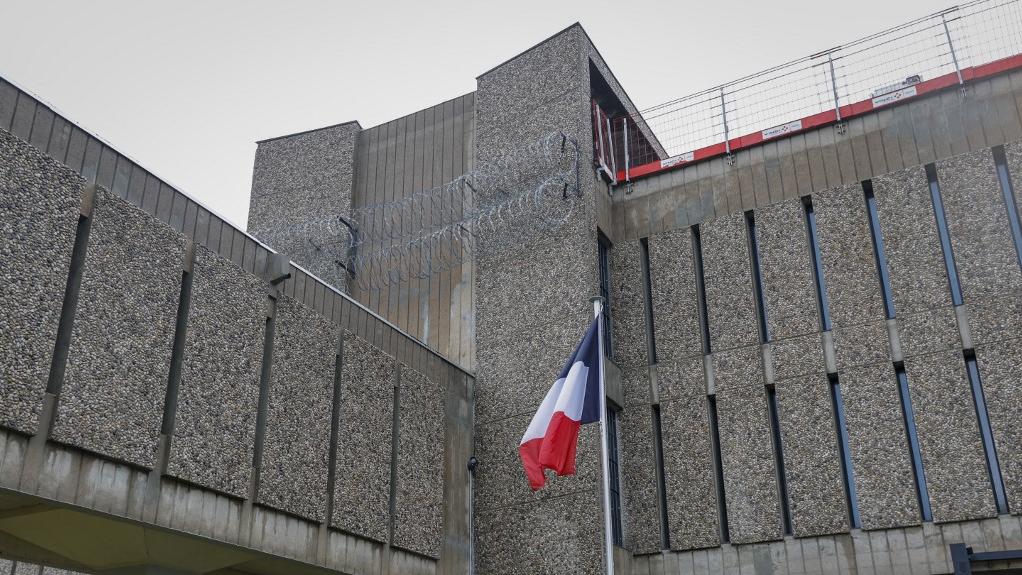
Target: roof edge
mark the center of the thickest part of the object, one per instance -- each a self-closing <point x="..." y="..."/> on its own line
<point x="263" y="141"/>
<point x="534" y="46"/>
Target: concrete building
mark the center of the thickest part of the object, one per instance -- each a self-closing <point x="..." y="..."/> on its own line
<point x="813" y="359"/>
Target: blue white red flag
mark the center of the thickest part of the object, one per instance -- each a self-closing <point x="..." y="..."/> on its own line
<point x="552" y="436"/>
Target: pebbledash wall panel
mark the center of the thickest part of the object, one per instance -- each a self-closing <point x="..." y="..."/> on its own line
<point x="949" y="437"/>
<point x="39" y="206"/>
<point x="786" y="265"/>
<point x="929" y="339"/>
<point x="878" y="446"/>
<point x="418" y="507"/>
<point x="544" y="326"/>
<point x="978" y="225"/>
<point x="627" y="305"/>
<point x="847" y="258"/>
<point x="111" y="400"/>
<point x="675" y="302"/>
<point x="746" y="450"/>
<point x="730" y="299"/>
<point x="750" y="475"/>
<point x="296" y="448"/>
<point x="877" y="438"/>
<point x="919" y="282"/>
<point x="362" y="470"/>
<point x="638" y="473"/>
<point x="689" y="472"/>
<point x="999" y="367"/>
<point x="812" y="463"/>
<point x="980" y="234"/>
<point x="214" y="427"/>
<point x="546" y="88"/>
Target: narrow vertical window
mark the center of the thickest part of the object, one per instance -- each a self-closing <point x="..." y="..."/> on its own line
<point x="704" y="317"/>
<point x="1009" y="200"/>
<point x="757" y="277"/>
<point x="989" y="449"/>
<point x="782" y="483"/>
<point x="878" y="248"/>
<point x="922" y="493"/>
<point x="945" y="237"/>
<point x="647" y="286"/>
<point x="604" y="257"/>
<point x="615" y="477"/>
<point x="846" y="454"/>
<point x="665" y="531"/>
<point x="718" y="465"/>
<point x="814" y="251"/>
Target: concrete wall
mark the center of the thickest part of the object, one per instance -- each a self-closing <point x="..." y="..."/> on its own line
<point x="413" y="153"/>
<point x="43" y="215"/>
<point x="361" y="494"/>
<point x="301" y="179"/>
<point x="193" y="391"/>
<point x="928" y="335"/>
<point x="120" y="350"/>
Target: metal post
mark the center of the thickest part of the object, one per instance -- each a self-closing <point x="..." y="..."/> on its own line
<point x="833" y="85"/>
<point x="599" y="132"/>
<point x="613" y="156"/>
<point x="951" y="46"/>
<point x="723" y="115"/>
<point x="628" y="160"/>
<point x="608" y="539"/>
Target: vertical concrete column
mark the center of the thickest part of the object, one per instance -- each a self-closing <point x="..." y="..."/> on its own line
<point x="301" y="185"/>
<point x="532" y="296"/>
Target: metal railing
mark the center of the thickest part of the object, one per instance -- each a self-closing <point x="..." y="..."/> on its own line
<point x="879" y="69"/>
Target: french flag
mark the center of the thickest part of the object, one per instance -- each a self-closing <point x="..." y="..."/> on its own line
<point x="574" y="399"/>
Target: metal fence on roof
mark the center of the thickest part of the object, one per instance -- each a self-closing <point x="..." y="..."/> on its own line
<point x="874" y="69"/>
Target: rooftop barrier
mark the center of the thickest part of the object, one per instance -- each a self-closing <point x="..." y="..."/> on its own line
<point x="941" y="50"/>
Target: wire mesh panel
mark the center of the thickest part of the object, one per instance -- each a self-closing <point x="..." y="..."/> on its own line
<point x="881" y="69"/>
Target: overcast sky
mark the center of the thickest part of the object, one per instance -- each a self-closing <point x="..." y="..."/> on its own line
<point x="186" y="87"/>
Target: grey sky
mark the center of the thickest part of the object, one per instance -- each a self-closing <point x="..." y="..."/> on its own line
<point x="187" y="87"/>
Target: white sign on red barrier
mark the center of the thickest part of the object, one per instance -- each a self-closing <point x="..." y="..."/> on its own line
<point x="675" y="160"/>
<point x="782" y="130"/>
<point x="893" y="97"/>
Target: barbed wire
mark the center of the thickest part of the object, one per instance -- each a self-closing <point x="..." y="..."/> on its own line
<point x="436" y="229"/>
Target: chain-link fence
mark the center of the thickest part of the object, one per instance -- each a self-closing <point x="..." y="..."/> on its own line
<point x="877" y="70"/>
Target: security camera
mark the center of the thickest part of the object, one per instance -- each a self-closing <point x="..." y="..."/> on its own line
<point x="473" y="463"/>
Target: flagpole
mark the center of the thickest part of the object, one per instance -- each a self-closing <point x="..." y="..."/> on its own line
<point x="608" y="539"/>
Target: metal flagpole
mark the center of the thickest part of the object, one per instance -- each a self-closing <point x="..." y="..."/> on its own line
<point x="608" y="539"/>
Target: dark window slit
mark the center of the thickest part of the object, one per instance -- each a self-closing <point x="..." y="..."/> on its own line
<point x="814" y="252"/>
<point x="757" y="278"/>
<point x="718" y="464"/>
<point x="879" y="256"/>
<point x="945" y="236"/>
<point x="782" y="482"/>
<point x="908" y="414"/>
